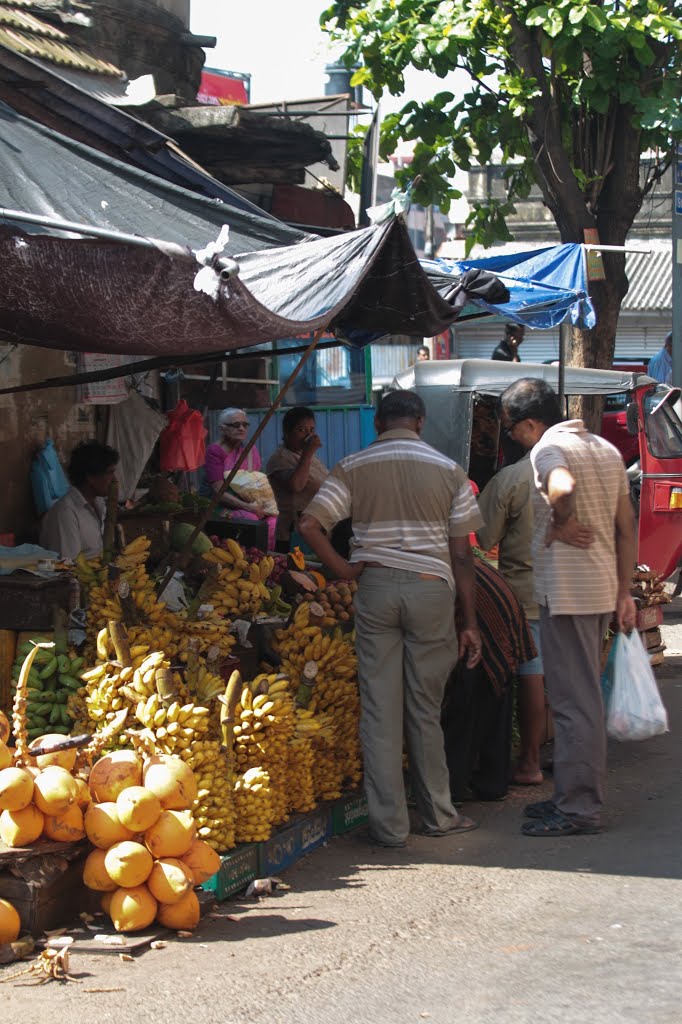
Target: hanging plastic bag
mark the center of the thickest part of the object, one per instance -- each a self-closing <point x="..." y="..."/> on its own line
<point x="635" y="710"/>
<point x="183" y="442"/>
<point x="48" y="480"/>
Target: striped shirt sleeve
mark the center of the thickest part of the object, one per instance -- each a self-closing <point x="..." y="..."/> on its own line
<point x="332" y="503"/>
<point x="545" y="459"/>
<point x="465" y="517"/>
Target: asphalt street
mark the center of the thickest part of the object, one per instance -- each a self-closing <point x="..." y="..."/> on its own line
<point x="491" y="927"/>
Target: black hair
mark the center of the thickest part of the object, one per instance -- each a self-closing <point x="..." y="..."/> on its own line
<point x="400" y="405"/>
<point x="531" y="398"/>
<point x="90" y="458"/>
<point x="292" y="417"/>
<point x="423" y="348"/>
<point x="509" y="328"/>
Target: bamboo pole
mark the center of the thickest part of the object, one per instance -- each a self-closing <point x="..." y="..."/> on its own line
<point x="177" y="560"/>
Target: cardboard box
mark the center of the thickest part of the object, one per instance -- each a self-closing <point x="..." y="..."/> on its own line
<point x="349" y="812"/>
<point x="237" y="869"/>
<point x="294" y="841"/>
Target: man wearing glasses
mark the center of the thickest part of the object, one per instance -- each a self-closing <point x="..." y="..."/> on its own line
<point x="584" y="552"/>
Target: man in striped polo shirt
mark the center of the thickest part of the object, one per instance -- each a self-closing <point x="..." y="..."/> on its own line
<point x="412" y="511"/>
<point x="584" y="552"/>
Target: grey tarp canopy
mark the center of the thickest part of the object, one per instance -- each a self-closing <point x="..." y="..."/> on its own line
<point x="106" y="296"/>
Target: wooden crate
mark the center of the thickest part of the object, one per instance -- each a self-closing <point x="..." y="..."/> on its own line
<point x="45" y="884"/>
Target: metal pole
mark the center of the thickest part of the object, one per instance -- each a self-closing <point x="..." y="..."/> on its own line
<point x="177" y="558"/>
<point x="564" y="341"/>
<point x="224" y="263"/>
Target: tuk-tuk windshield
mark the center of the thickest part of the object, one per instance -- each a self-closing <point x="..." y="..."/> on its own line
<point x="662" y="425"/>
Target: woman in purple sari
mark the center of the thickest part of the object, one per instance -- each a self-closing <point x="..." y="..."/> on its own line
<point x="222" y="457"/>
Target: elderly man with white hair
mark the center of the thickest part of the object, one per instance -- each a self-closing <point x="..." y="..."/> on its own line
<point x="222" y="456"/>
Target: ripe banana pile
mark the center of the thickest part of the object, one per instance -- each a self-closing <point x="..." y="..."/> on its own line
<point x="300" y="781"/>
<point x="240" y="591"/>
<point x="253" y="805"/>
<point x="52" y="683"/>
<point x="323" y="670"/>
<point x="264" y="725"/>
<point x="214" y="812"/>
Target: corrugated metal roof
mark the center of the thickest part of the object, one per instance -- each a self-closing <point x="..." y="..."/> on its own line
<point x="651" y="280"/>
<point x="25" y="33"/>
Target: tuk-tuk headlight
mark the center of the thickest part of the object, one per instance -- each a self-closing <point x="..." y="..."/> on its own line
<point x="675" y="499"/>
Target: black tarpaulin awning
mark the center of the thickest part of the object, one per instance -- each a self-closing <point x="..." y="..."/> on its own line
<point x="100" y="296"/>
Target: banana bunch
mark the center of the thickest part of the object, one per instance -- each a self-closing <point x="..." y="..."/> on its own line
<point x="277" y="605"/>
<point x="53" y="681"/>
<point x="214" y="812"/>
<point x="212" y="631"/>
<point x="240" y="589"/>
<point x="265" y="723"/>
<point x="328" y="767"/>
<point x="323" y="668"/>
<point x="253" y="806"/>
<point x="231" y="555"/>
<point x="300" y="781"/>
<point x="176" y="727"/>
<point x="110" y="686"/>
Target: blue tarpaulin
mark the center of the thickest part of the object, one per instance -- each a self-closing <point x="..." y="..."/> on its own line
<point x="546" y="286"/>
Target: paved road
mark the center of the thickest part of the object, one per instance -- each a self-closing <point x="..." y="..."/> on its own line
<point x="488" y="928"/>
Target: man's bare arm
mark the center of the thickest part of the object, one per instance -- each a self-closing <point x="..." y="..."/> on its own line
<point x="463" y="570"/>
<point x="311" y="530"/>
<point x="626" y="558"/>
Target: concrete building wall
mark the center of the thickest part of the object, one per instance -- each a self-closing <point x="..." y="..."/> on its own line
<point x="27" y="420"/>
<point x="143" y="38"/>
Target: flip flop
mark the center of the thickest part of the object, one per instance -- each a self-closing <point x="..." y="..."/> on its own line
<point x="557" y="824"/>
<point x="464" y="825"/>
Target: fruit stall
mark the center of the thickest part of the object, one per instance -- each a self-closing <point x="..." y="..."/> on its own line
<point x="147" y="760"/>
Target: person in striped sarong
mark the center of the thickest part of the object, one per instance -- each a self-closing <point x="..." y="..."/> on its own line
<point x="477" y="707"/>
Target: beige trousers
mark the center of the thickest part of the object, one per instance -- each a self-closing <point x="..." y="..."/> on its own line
<point x="406" y="648"/>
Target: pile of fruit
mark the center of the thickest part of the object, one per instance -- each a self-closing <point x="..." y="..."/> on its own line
<point x="239" y="590"/>
<point x="52" y="681"/>
<point x="335" y="600"/>
<point x="146" y="859"/>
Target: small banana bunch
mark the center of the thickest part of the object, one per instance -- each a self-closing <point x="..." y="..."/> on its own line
<point x="209" y="632"/>
<point x="300" y="780"/>
<point x="328" y="767"/>
<point x="208" y="685"/>
<point x="176" y="727"/>
<point x="253" y="806"/>
<point x="323" y="668"/>
<point x="214" y="811"/>
<point x="265" y="724"/>
<point x="240" y="589"/>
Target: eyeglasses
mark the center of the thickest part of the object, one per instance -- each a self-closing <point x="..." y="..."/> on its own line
<point x="507" y="431"/>
<point x="237" y="426"/>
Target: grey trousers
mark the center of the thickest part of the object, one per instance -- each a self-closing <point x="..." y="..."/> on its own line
<point x="406" y="648"/>
<point x="571" y="646"/>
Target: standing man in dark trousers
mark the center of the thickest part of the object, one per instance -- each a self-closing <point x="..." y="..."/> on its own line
<point x="584" y="552"/>
<point x="412" y="511"/>
<point x="508" y="349"/>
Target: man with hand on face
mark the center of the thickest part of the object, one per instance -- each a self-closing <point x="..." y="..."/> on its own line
<point x="508" y="349"/>
<point x="584" y="552"/>
<point x="412" y="511"/>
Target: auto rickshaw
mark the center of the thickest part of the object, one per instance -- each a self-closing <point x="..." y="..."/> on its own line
<point x="461" y="398"/>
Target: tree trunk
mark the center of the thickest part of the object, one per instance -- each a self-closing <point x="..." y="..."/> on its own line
<point x="594" y="348"/>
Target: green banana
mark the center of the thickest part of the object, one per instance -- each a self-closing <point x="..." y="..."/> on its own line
<point x="49" y="669"/>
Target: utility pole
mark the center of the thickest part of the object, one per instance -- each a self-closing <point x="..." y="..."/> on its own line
<point x="677" y="266"/>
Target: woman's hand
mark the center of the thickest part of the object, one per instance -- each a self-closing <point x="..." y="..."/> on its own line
<point x="257" y="510"/>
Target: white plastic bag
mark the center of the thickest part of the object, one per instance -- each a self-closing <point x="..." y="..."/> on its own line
<point x="635" y="710"/>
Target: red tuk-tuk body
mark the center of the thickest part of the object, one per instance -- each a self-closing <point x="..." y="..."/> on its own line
<point x="660" y="504"/>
